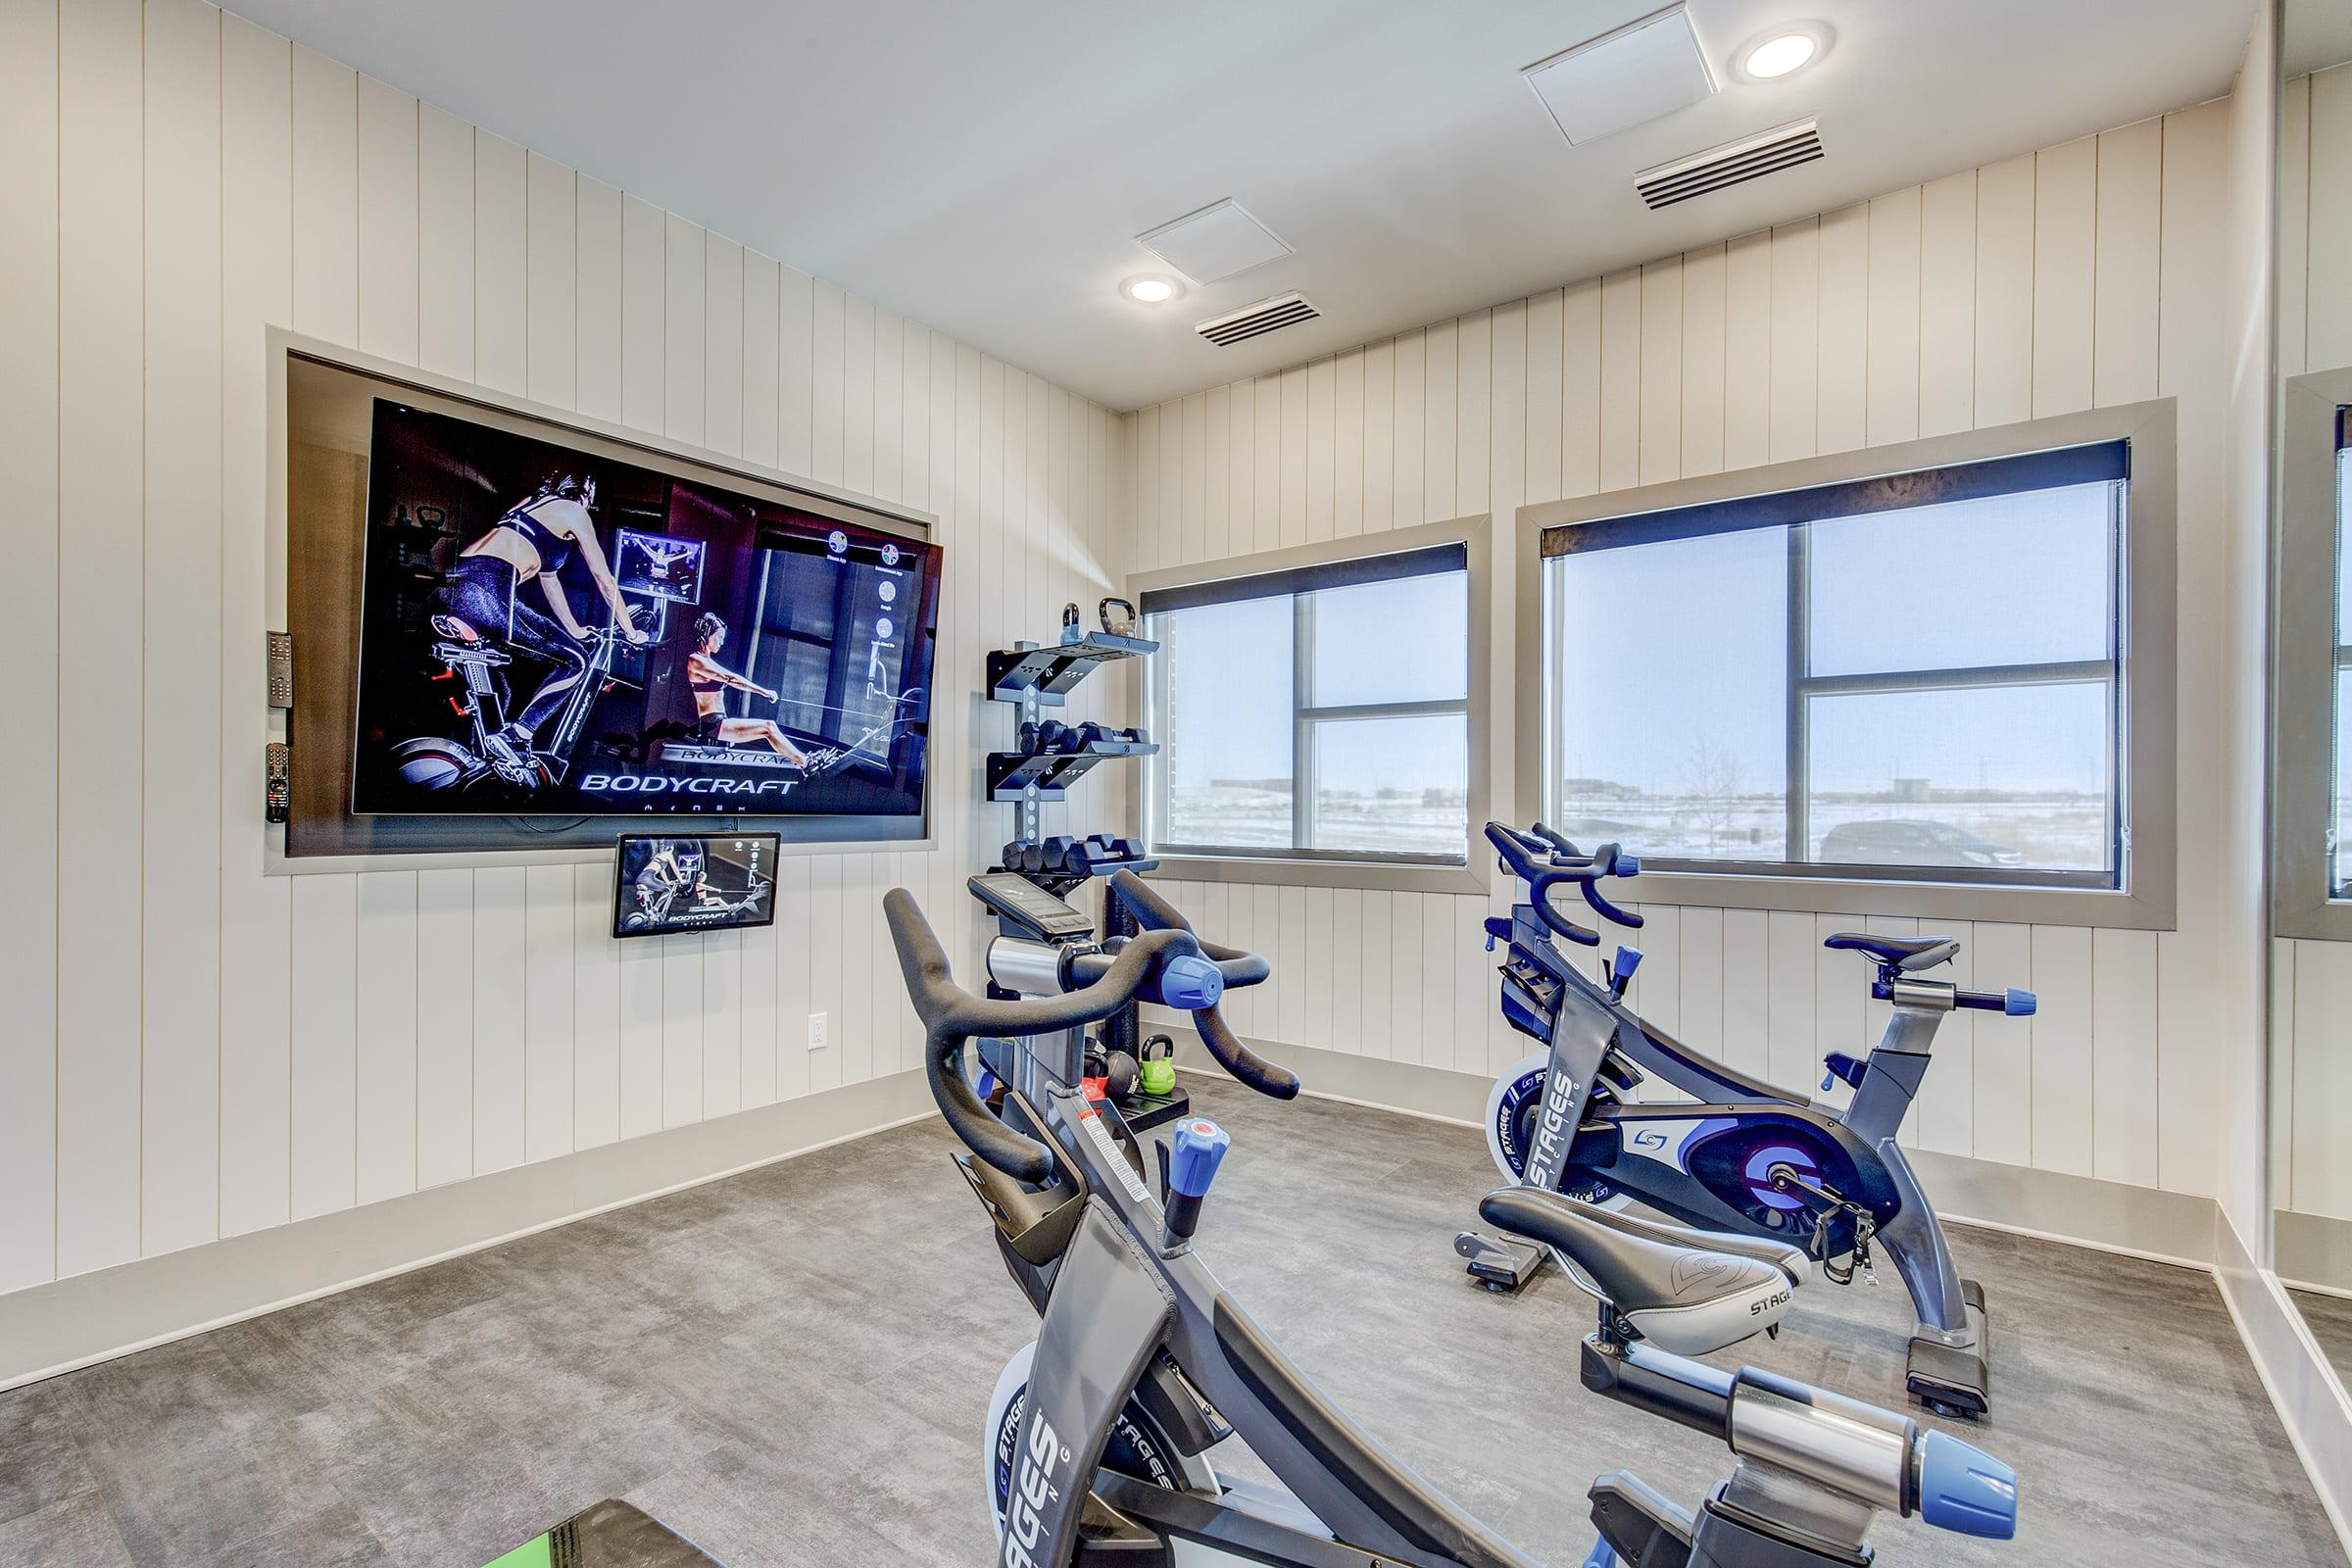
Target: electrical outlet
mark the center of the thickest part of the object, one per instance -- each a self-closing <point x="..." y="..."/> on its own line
<point x="816" y="1031"/>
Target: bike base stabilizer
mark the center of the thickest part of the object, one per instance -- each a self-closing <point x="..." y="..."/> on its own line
<point x="1953" y="1381"/>
<point x="1500" y="1264"/>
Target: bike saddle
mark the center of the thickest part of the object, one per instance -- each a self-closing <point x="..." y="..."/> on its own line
<point x="1904" y="953"/>
<point x="1690" y="1292"/>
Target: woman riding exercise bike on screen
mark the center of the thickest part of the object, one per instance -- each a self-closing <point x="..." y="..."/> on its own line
<point x="479" y="598"/>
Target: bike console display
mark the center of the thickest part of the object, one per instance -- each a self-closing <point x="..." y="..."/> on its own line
<point x="1030" y="909"/>
<point x="667" y="883"/>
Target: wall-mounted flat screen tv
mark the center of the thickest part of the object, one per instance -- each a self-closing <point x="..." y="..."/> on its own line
<point x="550" y="633"/>
<point x="698" y="882"/>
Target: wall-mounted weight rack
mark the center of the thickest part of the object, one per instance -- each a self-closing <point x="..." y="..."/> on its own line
<point x="1034" y="678"/>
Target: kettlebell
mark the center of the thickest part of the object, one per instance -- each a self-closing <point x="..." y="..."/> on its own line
<point x="1156" y="1073"/>
<point x="1120" y="1072"/>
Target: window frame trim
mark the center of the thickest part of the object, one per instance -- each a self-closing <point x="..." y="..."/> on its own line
<point x="2148" y="897"/>
<point x="1346" y="869"/>
<point x="2303" y="616"/>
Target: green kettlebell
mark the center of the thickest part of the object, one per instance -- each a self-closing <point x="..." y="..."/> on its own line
<point x="1156" y="1067"/>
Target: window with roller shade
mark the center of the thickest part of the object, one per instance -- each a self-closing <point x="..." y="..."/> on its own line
<point x="1912" y="678"/>
<point x="1314" y="714"/>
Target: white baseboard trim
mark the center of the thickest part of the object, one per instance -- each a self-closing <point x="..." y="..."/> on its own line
<point x="2050" y="1205"/>
<point x="2313" y="1252"/>
<point x="2077" y="1210"/>
<point x="2310" y="1398"/>
<point x="54" y="1328"/>
<point x="1406" y="1087"/>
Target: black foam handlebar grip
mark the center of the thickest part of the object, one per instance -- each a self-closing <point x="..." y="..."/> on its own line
<point x="951" y="1015"/>
<point x="1530" y="859"/>
<point x="1155" y="913"/>
<point x="1605" y="864"/>
<point x="1236" y="1058"/>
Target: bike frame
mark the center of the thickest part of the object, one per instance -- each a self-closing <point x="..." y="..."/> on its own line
<point x="1588" y="1026"/>
<point x="1117" y="1301"/>
<point x="485" y="709"/>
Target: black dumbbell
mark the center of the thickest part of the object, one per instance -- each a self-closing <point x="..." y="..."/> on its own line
<point x="1038" y="737"/>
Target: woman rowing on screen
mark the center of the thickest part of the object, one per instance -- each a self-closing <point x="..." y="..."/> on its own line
<point x="709" y="680"/>
<point x="480" y="594"/>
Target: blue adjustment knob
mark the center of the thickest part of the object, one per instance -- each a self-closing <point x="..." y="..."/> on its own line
<point x="1190" y="984"/>
<point x="1200" y="1145"/>
<point x="1629" y="866"/>
<point x="1627" y="961"/>
<point x="2019" y="1004"/>
<point x="1964" y="1489"/>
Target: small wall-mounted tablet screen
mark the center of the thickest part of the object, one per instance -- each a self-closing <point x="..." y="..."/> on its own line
<point x="670" y="882"/>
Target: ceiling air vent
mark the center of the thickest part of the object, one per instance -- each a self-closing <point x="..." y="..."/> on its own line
<point x="1256" y="321"/>
<point x="1731" y="163"/>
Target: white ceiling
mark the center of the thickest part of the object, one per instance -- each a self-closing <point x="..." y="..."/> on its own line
<point x="984" y="168"/>
<point x="2316" y="34"/>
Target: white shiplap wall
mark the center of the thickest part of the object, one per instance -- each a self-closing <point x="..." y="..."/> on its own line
<point x="2090" y="273"/>
<point x="2311" y="986"/>
<point x="194" y="1050"/>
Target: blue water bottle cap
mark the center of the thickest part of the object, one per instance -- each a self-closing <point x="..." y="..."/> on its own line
<point x="1188" y="983"/>
<point x="1200" y="1145"/>
<point x="1964" y="1489"/>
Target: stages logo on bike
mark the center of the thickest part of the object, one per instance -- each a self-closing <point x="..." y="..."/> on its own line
<point x="1042" y="1453"/>
<point x="546" y="631"/>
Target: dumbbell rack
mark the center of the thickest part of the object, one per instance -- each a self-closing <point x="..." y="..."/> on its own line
<point x="1032" y="677"/>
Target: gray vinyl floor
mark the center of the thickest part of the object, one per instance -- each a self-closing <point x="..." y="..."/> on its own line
<point x="790" y="1366"/>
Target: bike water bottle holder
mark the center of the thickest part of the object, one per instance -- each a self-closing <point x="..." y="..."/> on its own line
<point x="1034" y="1223"/>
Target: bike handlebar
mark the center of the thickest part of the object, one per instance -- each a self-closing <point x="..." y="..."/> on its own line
<point x="1238" y="968"/>
<point x="1543" y="860"/>
<point x="952" y="1015"/>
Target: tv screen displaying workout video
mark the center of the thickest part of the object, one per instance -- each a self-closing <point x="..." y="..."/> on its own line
<point x="708" y="882"/>
<point x="544" y="633"/>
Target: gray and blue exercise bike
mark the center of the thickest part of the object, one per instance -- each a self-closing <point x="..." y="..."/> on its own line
<point x="1740" y="1155"/>
<point x="1106" y="1438"/>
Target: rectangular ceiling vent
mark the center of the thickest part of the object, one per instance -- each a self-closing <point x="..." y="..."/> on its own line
<point x="1732" y="164"/>
<point x="1256" y="321"/>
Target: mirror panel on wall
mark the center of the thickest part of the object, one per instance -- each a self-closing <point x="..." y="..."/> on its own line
<point x="2310" y="683"/>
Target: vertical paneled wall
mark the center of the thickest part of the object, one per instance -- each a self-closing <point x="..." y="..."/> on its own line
<point x="2086" y="274"/>
<point x="193" y="1050"/>
<point x="2311" y="989"/>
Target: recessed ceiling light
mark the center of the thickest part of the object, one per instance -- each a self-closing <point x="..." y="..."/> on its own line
<point x="1782" y="51"/>
<point x="1148" y="290"/>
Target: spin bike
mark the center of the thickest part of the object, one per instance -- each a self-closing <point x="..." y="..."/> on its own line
<point x="1749" y="1157"/>
<point x="1098" y="1441"/>
<point x="444" y="763"/>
